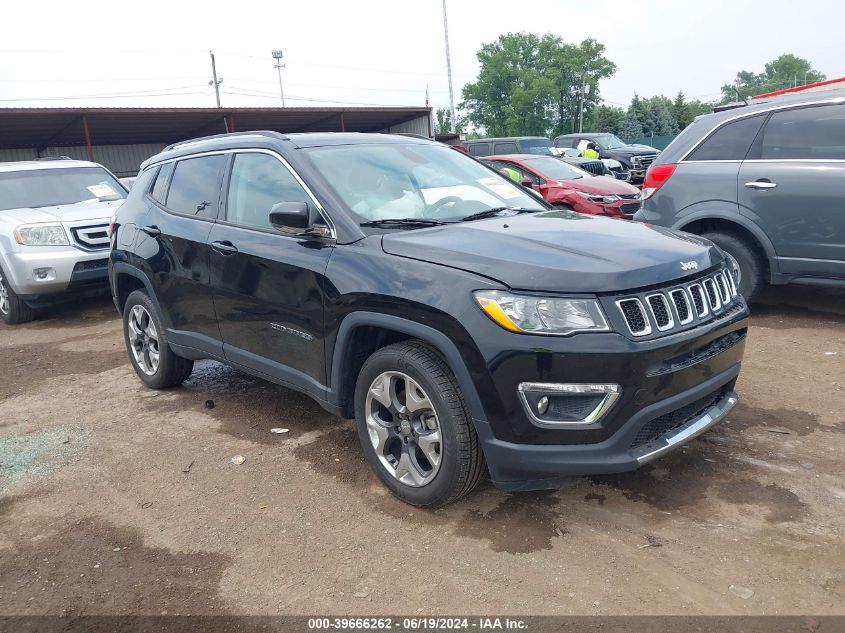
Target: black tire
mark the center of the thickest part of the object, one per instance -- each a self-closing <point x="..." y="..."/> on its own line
<point x="462" y="461"/>
<point x="751" y="265"/>
<point x="172" y="370"/>
<point x="13" y="310"/>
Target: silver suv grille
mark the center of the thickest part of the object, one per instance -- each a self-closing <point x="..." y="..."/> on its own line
<point x="94" y="237"/>
<point x="667" y="309"/>
<point x="643" y="161"/>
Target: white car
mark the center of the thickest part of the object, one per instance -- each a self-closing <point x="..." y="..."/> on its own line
<point x="54" y="242"/>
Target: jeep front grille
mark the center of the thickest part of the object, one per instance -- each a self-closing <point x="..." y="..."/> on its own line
<point x="692" y="303"/>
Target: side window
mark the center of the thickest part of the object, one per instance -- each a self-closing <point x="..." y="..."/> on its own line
<point x="565" y="142"/>
<point x="195" y="186"/>
<point x="505" y="148"/>
<point x="807" y="133"/>
<point x="479" y="149"/>
<point x="144" y="180"/>
<point x="731" y="141"/>
<point x="258" y="182"/>
<point x="159" y="192"/>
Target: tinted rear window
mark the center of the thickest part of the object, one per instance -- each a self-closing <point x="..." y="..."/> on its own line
<point x="195" y="186"/>
<point x="808" y="133"/>
<point x="505" y="148"/>
<point x="731" y="141"/>
<point x="479" y="149"/>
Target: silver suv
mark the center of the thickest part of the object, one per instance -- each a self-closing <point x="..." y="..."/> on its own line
<point x="765" y="182"/>
<point x="54" y="242"/>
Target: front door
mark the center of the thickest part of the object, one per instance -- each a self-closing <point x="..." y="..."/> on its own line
<point x="268" y="287"/>
<point x="793" y="186"/>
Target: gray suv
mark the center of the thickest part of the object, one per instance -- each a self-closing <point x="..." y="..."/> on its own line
<point x="766" y="183"/>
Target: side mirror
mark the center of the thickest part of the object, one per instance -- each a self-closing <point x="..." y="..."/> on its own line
<point x="297" y="218"/>
<point x="527" y="182"/>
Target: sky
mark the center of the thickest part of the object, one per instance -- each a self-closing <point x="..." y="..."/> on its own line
<point x="381" y="52"/>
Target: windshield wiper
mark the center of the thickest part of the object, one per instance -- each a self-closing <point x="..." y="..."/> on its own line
<point x="489" y="213"/>
<point x="404" y="222"/>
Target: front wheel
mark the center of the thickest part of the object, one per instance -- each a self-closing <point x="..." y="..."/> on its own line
<point x="146" y="342"/>
<point x="13" y="309"/>
<point x="414" y="427"/>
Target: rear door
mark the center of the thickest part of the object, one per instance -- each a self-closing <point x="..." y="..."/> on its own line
<point x="173" y="241"/>
<point x="268" y="287"/>
<point x="793" y="185"/>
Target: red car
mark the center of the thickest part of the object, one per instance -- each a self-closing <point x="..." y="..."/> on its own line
<point x="565" y="186"/>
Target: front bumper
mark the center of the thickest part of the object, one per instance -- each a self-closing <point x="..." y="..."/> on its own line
<point x="672" y="388"/>
<point x="534" y="467"/>
<point x="65" y="269"/>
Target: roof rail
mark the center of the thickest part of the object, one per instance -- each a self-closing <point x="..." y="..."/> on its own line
<point x="270" y="133"/>
<point x="54" y="158"/>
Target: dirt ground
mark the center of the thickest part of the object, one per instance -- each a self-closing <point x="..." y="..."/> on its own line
<point x="119" y="500"/>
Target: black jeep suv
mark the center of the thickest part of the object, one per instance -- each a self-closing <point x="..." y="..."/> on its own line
<point x="464" y="324"/>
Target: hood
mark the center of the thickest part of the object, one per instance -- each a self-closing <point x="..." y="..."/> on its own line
<point x="601" y="185"/>
<point x="70" y="213"/>
<point x="633" y="150"/>
<point x="559" y="251"/>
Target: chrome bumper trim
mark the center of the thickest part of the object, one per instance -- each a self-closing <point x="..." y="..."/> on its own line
<point x="688" y="431"/>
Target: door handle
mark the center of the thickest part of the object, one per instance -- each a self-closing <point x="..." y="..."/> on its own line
<point x="224" y="248"/>
<point x="152" y="231"/>
<point x="761" y="184"/>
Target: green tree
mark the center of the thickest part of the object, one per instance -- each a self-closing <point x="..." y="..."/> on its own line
<point x="604" y="118"/>
<point x="659" y="120"/>
<point x="532" y="84"/>
<point x="784" y="72"/>
<point x="630" y="127"/>
<point x="443" y="121"/>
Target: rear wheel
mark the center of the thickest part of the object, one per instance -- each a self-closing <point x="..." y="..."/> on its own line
<point x="748" y="259"/>
<point x="13" y="309"/>
<point x="414" y="427"/>
<point x="146" y="342"/>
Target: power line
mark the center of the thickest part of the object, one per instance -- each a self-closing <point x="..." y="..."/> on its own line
<point x="159" y="92"/>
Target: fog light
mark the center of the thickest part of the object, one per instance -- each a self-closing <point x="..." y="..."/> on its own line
<point x="552" y="405"/>
<point x="542" y="405"/>
<point x="42" y="274"/>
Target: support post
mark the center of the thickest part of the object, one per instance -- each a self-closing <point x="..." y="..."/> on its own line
<point x="342" y="122"/>
<point x="87" y="131"/>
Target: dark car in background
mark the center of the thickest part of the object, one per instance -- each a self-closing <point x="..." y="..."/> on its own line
<point x="766" y="182"/>
<point x="567" y="187"/>
<point x="537" y="145"/>
<point x="466" y="325"/>
<point x="635" y="159"/>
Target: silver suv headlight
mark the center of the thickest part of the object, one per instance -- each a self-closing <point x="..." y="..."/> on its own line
<point x="599" y="199"/>
<point x="542" y="315"/>
<point x="41" y="235"/>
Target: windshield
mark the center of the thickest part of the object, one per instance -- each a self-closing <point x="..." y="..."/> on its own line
<point x="610" y="141"/>
<point x="432" y="182"/>
<point x="555" y="169"/>
<point x="541" y="146"/>
<point x="51" y="187"/>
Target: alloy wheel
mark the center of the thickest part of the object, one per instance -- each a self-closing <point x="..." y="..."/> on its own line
<point x="4" y="296"/>
<point x="404" y="428"/>
<point x="143" y="340"/>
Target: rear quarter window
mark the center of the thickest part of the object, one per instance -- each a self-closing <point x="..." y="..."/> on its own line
<point x="159" y="191"/>
<point x="505" y="148"/>
<point x="479" y="149"/>
<point x="814" y="133"/>
<point x="731" y="141"/>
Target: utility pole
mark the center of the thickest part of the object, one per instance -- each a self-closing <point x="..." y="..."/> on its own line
<point x="581" y="108"/>
<point x="277" y="55"/>
<point x="215" y="82"/>
<point x="449" y="70"/>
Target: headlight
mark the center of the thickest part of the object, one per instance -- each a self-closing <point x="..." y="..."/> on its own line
<point x="542" y="315"/>
<point x="41" y="235"/>
<point x="598" y="199"/>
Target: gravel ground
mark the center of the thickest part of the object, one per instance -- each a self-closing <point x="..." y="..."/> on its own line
<point x="119" y="500"/>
